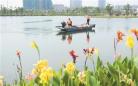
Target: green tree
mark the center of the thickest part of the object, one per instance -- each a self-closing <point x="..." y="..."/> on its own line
<point x="109" y="9"/>
<point x="85" y="10"/>
<point x="127" y="9"/>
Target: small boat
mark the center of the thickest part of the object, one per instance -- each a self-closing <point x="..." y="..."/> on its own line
<point x="77" y="28"/>
<point x="74" y="32"/>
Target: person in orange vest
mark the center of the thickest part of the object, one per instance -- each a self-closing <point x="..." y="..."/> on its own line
<point x="69" y="22"/>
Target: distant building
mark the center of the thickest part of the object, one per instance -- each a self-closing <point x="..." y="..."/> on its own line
<point x="75" y="4"/>
<point x="29" y="4"/>
<point x="38" y="4"/>
<point x="101" y="4"/>
<point x="59" y="7"/>
<point x="118" y="7"/>
<point x="122" y="7"/>
<point x="48" y="4"/>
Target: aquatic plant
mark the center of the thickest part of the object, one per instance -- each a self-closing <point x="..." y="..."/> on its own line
<point x="46" y="75"/>
<point x="1" y="80"/>
<point x="35" y="46"/>
<point x="70" y="68"/>
<point x="117" y="40"/>
<point x="41" y="64"/>
<point x="122" y="72"/>
<point x="130" y="44"/>
<point x="73" y="55"/>
<point x="135" y="32"/>
<point x="19" y="67"/>
<point x="88" y="54"/>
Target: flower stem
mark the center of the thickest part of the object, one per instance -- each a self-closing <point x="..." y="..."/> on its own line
<point x="20" y="73"/>
<point x="85" y="62"/>
<point x="93" y="64"/>
<point x="38" y="55"/>
<point x="115" y="46"/>
<point x="131" y="52"/>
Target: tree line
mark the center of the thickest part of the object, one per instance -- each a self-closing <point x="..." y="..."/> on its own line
<point x="109" y="10"/>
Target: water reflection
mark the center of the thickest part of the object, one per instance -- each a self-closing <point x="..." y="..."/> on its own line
<point x="32" y="31"/>
<point x="127" y="24"/>
<point x="68" y="36"/>
<point x="38" y="21"/>
<point x="69" y="39"/>
<point x="88" y="37"/>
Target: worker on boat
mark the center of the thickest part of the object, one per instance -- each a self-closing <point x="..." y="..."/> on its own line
<point x="63" y="24"/>
<point x="69" y="22"/>
<point x="88" y="20"/>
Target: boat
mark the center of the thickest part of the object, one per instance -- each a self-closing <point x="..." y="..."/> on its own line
<point x="74" y="32"/>
<point x="76" y="28"/>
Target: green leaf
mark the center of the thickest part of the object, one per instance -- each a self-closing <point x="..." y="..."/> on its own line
<point x="66" y="78"/>
<point x="31" y="83"/>
<point x="56" y="81"/>
<point x="99" y="63"/>
<point x="135" y="75"/>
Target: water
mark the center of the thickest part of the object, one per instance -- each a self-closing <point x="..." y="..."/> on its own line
<point x="18" y="33"/>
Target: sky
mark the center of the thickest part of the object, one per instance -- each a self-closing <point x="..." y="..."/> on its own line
<point x="18" y="3"/>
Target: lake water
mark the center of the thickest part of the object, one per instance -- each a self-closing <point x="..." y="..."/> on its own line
<point x="18" y="33"/>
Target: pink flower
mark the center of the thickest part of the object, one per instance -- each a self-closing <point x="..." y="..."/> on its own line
<point x="120" y="36"/>
<point x="29" y="77"/>
<point x="18" y="53"/>
<point x="73" y="55"/>
<point x="89" y="50"/>
<point x="135" y="32"/>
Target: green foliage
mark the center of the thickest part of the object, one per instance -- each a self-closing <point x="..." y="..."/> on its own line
<point x="109" y="9"/>
<point x="92" y="11"/>
<point x="122" y="72"/>
<point x="127" y="9"/>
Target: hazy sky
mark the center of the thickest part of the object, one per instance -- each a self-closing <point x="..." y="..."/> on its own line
<point x="18" y="3"/>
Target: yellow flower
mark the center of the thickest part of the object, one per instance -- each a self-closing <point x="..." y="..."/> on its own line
<point x="1" y="80"/>
<point x="41" y="64"/>
<point x="34" y="71"/>
<point x="130" y="42"/>
<point x="70" y="67"/>
<point x="34" y="45"/>
<point x="1" y="83"/>
<point x="82" y="76"/>
<point x="46" y="75"/>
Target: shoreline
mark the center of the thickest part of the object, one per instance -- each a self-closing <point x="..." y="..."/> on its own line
<point x="70" y="15"/>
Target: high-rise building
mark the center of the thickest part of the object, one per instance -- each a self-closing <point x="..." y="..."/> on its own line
<point x="101" y="4"/>
<point x="48" y="4"/>
<point x="38" y="4"/>
<point x="59" y="7"/>
<point x="29" y="4"/>
<point x="75" y="4"/>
